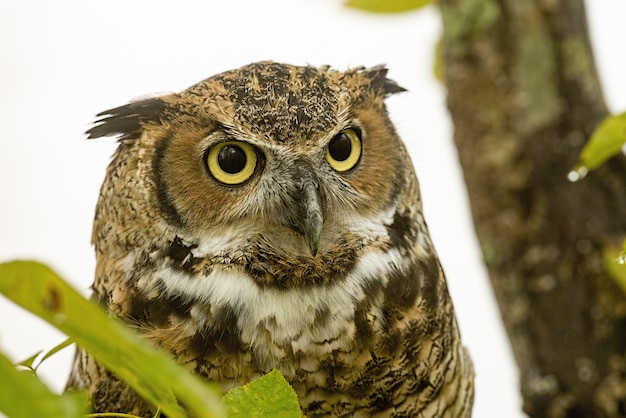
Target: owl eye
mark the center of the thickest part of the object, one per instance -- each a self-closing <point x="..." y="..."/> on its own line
<point x="344" y="150"/>
<point x="231" y="162"/>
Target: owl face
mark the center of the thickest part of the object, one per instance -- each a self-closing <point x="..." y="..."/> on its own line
<point x="293" y="161"/>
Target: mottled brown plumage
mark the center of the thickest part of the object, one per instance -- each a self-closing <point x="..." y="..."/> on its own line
<point x="269" y="217"/>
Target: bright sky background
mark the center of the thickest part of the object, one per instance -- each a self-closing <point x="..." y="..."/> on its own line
<point x="62" y="62"/>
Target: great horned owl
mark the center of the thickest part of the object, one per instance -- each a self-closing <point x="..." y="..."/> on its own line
<point x="269" y="217"/>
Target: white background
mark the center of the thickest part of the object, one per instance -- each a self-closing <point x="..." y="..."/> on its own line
<point x="62" y="62"/>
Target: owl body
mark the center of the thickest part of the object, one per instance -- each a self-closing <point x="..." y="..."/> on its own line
<point x="269" y="217"/>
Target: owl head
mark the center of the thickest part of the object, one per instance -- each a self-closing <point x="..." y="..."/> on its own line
<point x="289" y="173"/>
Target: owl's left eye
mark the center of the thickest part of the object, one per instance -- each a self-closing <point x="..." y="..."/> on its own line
<point x="344" y="150"/>
<point x="231" y="162"/>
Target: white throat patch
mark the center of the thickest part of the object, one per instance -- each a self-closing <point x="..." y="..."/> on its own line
<point x="286" y="315"/>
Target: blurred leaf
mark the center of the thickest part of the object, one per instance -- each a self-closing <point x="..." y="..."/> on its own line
<point x="387" y="6"/>
<point x="438" y="66"/>
<point x="614" y="267"/>
<point x="155" y="377"/>
<point x="55" y="350"/>
<point x="268" y="396"/>
<point x="22" y="394"/>
<point x="605" y="142"/>
<point x="28" y="363"/>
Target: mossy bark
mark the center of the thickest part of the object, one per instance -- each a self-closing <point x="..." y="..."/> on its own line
<point x="524" y="97"/>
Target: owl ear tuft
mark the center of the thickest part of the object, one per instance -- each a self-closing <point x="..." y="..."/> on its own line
<point x="379" y="81"/>
<point x="128" y="120"/>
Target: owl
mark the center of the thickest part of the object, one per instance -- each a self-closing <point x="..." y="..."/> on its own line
<point x="269" y="217"/>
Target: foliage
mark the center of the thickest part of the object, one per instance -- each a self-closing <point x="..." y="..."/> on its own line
<point x="22" y="394"/>
<point x="438" y="67"/>
<point x="387" y="6"/>
<point x="270" y="396"/>
<point x="151" y="373"/>
<point x="614" y="266"/>
<point x="605" y="142"/>
<point x="36" y="360"/>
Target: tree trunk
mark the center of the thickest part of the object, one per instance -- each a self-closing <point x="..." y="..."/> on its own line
<point x="524" y="96"/>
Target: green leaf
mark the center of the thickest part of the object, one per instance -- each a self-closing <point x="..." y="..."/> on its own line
<point x="29" y="362"/>
<point x="22" y="394"/>
<point x="614" y="267"/>
<point x="150" y="372"/>
<point x="269" y="396"/>
<point x="387" y="6"/>
<point x="438" y="64"/>
<point x="55" y="350"/>
<point x="605" y="142"/>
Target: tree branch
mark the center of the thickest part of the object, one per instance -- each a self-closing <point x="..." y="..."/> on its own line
<point x="524" y="96"/>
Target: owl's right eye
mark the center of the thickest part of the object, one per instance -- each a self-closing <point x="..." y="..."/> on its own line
<point x="231" y="162"/>
<point x="344" y="150"/>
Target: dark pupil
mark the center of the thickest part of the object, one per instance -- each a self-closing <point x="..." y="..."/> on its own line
<point x="231" y="159"/>
<point x="340" y="147"/>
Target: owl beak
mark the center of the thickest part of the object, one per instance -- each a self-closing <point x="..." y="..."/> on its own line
<point x="312" y="221"/>
<point x="313" y="217"/>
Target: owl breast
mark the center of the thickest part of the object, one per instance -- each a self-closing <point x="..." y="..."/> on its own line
<point x="278" y="302"/>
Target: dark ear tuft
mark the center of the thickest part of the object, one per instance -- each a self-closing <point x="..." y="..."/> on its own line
<point x="127" y="120"/>
<point x="378" y="75"/>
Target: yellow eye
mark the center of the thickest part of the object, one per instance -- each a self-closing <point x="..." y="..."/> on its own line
<point x="344" y="150"/>
<point x="231" y="162"/>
